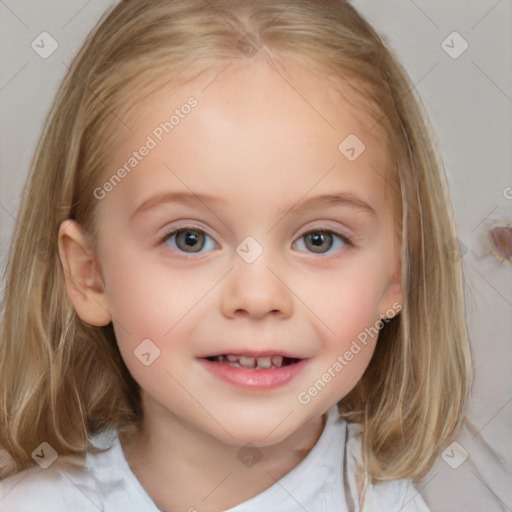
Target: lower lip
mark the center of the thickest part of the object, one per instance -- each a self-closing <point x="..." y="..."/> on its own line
<point x="254" y="379"/>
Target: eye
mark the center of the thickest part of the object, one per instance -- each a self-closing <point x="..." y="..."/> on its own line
<point x="188" y="240"/>
<point x="321" y="241"/>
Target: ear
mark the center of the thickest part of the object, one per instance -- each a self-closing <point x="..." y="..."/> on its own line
<point x="84" y="283"/>
<point x="391" y="301"/>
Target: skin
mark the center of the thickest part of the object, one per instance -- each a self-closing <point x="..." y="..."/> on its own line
<point x="260" y="147"/>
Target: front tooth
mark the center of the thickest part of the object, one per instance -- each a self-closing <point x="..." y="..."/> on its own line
<point x="232" y="358"/>
<point x="247" y="362"/>
<point x="264" y="362"/>
<point x="277" y="361"/>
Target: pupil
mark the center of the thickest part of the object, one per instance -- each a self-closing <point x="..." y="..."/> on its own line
<point x="189" y="240"/>
<point x="318" y="239"/>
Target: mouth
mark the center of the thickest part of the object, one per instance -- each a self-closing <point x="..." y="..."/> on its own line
<point x="256" y="372"/>
<point x="267" y="362"/>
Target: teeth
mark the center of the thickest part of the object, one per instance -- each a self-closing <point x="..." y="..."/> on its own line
<point x="247" y="362"/>
<point x="263" y="363"/>
<point x="277" y="361"/>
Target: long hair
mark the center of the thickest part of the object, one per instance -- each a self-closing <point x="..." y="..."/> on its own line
<point x="62" y="380"/>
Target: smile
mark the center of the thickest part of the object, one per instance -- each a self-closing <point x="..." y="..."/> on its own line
<point x="256" y="363"/>
<point x="254" y="372"/>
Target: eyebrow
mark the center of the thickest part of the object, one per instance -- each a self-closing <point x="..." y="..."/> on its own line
<point x="333" y="199"/>
<point x="176" y="197"/>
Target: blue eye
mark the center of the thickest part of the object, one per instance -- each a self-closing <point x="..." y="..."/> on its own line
<point x="320" y="241"/>
<point x="188" y="240"/>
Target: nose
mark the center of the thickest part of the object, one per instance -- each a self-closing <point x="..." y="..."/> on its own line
<point x="255" y="290"/>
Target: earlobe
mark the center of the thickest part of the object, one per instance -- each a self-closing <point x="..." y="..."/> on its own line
<point x="84" y="283"/>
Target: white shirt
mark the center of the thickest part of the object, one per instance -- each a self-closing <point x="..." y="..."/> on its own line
<point x="105" y="482"/>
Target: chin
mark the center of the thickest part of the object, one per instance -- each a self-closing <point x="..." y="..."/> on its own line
<point x="258" y="428"/>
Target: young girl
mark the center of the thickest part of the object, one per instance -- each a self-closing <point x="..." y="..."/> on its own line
<point x="249" y="296"/>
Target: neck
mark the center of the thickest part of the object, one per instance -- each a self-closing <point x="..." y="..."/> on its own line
<point x="184" y="468"/>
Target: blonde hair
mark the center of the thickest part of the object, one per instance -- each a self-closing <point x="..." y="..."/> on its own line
<point x="62" y="380"/>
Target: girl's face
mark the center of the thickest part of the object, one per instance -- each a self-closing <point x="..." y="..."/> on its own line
<point x="253" y="229"/>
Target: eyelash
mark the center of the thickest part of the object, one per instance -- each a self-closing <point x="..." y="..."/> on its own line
<point x="344" y="238"/>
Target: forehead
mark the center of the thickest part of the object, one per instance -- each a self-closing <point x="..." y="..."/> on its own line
<point x="256" y="122"/>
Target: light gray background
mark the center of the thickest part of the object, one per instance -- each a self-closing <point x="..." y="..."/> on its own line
<point x="469" y="101"/>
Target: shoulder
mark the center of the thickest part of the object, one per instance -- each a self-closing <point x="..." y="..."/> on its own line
<point x="398" y="494"/>
<point x="99" y="480"/>
<point x="53" y="489"/>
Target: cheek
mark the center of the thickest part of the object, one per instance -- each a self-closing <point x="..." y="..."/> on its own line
<point x="146" y="297"/>
<point x="348" y="301"/>
<point x="347" y="353"/>
<point x="348" y="322"/>
<point x="150" y="302"/>
<point x="356" y="335"/>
